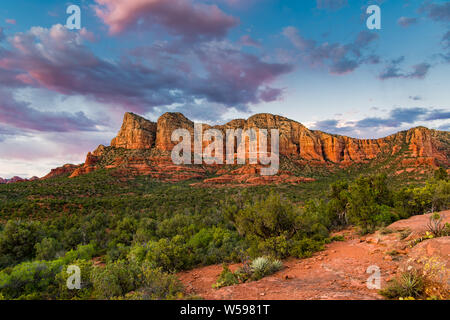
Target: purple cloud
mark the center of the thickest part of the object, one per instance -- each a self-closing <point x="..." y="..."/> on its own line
<point x="21" y="115"/>
<point x="270" y="94"/>
<point x="246" y="40"/>
<point x="395" y="119"/>
<point x="406" y="22"/>
<point x="161" y="75"/>
<point x="436" y="11"/>
<point x="183" y="18"/>
<point x="340" y="58"/>
<point x="439" y="114"/>
<point x="393" y="70"/>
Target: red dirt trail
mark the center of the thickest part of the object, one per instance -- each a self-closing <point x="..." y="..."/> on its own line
<point x="337" y="273"/>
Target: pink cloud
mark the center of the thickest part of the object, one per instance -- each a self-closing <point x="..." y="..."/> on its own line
<point x="56" y="59"/>
<point x="179" y="17"/>
<point x="246" y="40"/>
<point x="10" y="21"/>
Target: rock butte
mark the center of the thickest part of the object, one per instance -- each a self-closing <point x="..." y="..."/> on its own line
<point x="143" y="147"/>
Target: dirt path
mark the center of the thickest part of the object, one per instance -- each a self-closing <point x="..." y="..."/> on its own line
<point x="338" y="272"/>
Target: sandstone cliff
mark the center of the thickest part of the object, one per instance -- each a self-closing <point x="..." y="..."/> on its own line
<point x="415" y="147"/>
<point x="135" y="133"/>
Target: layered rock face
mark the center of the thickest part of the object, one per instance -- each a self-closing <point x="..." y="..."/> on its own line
<point x="135" y="133"/>
<point x="146" y="148"/>
<point x="167" y="123"/>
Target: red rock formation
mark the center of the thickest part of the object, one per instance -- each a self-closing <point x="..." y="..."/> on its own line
<point x="167" y="123"/>
<point x="15" y="179"/>
<point x="146" y="149"/>
<point x="136" y="133"/>
<point x="65" y="169"/>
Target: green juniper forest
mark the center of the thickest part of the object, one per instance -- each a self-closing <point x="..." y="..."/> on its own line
<point x="129" y="237"/>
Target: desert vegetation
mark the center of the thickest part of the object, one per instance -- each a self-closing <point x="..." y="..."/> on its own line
<point x="130" y="237"/>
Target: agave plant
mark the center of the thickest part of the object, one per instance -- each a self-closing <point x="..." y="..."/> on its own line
<point x="260" y="265"/>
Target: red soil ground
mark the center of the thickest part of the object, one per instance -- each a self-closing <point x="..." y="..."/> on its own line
<point x="338" y="272"/>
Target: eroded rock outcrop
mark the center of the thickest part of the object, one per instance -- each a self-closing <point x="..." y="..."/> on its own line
<point x="143" y="147"/>
<point x="135" y="133"/>
<point x="66" y="169"/>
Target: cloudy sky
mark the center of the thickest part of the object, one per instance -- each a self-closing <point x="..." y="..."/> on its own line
<point x="63" y="92"/>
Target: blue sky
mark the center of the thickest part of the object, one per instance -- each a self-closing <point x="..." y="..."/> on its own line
<point x="63" y="91"/>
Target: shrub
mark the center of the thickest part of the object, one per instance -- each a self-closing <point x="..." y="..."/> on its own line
<point x="276" y="246"/>
<point x="337" y="238"/>
<point x="264" y="266"/>
<point x="226" y="278"/>
<point x="410" y="284"/>
<point x="305" y="248"/>
<point x="17" y="241"/>
<point x="31" y="279"/>
<point x="259" y="268"/>
<point x="170" y="255"/>
<point x="436" y="227"/>
<point x="155" y="284"/>
<point x="47" y="249"/>
<point x="38" y="279"/>
<point x="273" y="226"/>
<point x="115" y="279"/>
<point x="268" y="218"/>
<point x="82" y="252"/>
<point x="85" y="292"/>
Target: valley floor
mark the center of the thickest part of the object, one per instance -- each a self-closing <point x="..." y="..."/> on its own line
<point x="338" y="272"/>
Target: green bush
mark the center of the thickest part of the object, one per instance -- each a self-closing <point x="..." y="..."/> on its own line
<point x="272" y="225"/>
<point x="18" y="240"/>
<point x="36" y="279"/>
<point x="169" y="255"/>
<point x="156" y="285"/>
<point x="48" y="249"/>
<point x="305" y="248"/>
<point x="85" y="291"/>
<point x="115" y="279"/>
<point x="226" y="278"/>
